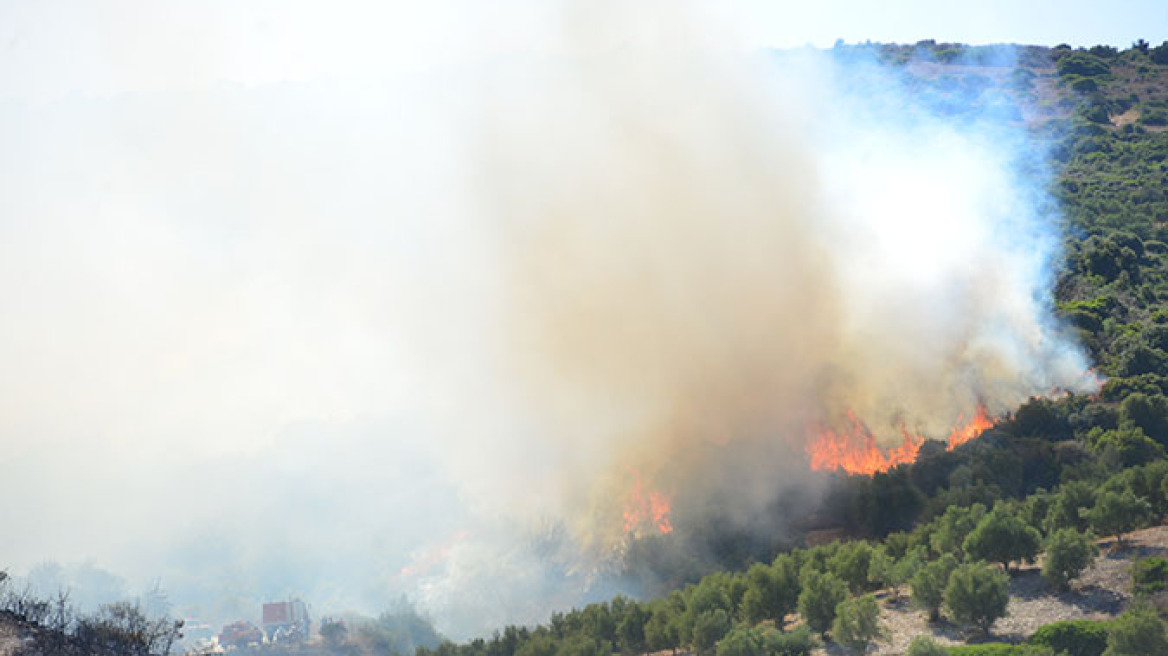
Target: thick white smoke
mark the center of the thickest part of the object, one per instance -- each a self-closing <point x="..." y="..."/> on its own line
<point x="732" y="251"/>
<point x="422" y="329"/>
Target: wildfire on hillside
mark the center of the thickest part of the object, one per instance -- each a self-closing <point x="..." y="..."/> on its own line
<point x="967" y="431"/>
<point x="646" y="509"/>
<point x="853" y="448"/>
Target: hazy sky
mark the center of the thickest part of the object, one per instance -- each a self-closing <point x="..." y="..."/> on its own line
<point x="100" y="47"/>
<point x="1076" y="22"/>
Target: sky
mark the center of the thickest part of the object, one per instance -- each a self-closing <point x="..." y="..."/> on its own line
<point x="240" y="295"/>
<point x="1077" y="22"/>
<point x="60" y="48"/>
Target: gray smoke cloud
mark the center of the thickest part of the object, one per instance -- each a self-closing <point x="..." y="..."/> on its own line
<point x="426" y="330"/>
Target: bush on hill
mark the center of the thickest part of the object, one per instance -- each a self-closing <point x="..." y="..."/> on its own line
<point x="1068" y="554"/>
<point x="1138" y="632"/>
<point x="1149" y="575"/>
<point x="1073" y="637"/>
<point x="976" y="596"/>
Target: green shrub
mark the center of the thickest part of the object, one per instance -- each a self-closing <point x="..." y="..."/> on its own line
<point x="1066" y="507"/>
<point x="708" y="628"/>
<point x="1073" y="637"/>
<point x="819" y="598"/>
<point x="850" y="563"/>
<point x="1095" y="113"/>
<point x="581" y="645"/>
<point x="1128" y="446"/>
<point x="1001" y="537"/>
<point x="1068" y="553"/>
<point x="1082" y="63"/>
<point x="538" y="645"/>
<point x="951" y="528"/>
<point x="1116" y="514"/>
<point x="1154" y="117"/>
<point x="743" y="641"/>
<point x="857" y="623"/>
<point x="1084" y="84"/>
<point x="1138" y="632"/>
<point x="977" y="595"/>
<point x="1000" y="649"/>
<point x="770" y="594"/>
<point x="888" y="570"/>
<point x="663" y="630"/>
<point x="1159" y="54"/>
<point x="799" y="642"/>
<point x="928" y="584"/>
<point x="1147" y="412"/>
<point x="1149" y="575"/>
<point x="926" y="646"/>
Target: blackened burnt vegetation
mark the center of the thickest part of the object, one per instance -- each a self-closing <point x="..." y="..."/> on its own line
<point x="53" y="627"/>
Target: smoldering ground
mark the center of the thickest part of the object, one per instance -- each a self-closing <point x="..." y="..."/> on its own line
<point x="347" y="337"/>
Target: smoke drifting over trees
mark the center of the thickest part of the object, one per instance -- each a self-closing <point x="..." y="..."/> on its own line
<point x="706" y="256"/>
<point x="355" y="337"/>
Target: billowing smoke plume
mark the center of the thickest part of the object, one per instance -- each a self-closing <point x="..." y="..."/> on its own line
<point x="703" y="255"/>
<point x="706" y="261"/>
<point x="455" y="332"/>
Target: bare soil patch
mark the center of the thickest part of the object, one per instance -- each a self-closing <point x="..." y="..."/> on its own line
<point x="1127" y="118"/>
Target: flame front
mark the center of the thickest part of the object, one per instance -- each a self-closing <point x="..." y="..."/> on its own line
<point x="646" y="510"/>
<point x="963" y="433"/>
<point x="854" y="450"/>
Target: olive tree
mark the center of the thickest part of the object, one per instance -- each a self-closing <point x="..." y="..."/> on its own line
<point x="928" y="585"/>
<point x="977" y="595"/>
<point x="1068" y="554"/>
<point x="1002" y="537"/>
<point x="819" y="598"/>
<point x="857" y="623"/>
<point x="1117" y="513"/>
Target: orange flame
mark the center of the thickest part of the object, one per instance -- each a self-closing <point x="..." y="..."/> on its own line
<point x="646" y="510"/>
<point x="963" y="433"/>
<point x="854" y="449"/>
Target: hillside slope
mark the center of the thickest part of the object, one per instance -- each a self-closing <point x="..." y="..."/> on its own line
<point x="1101" y="593"/>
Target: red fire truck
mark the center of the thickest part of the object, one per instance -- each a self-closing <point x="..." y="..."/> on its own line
<point x="240" y="634"/>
